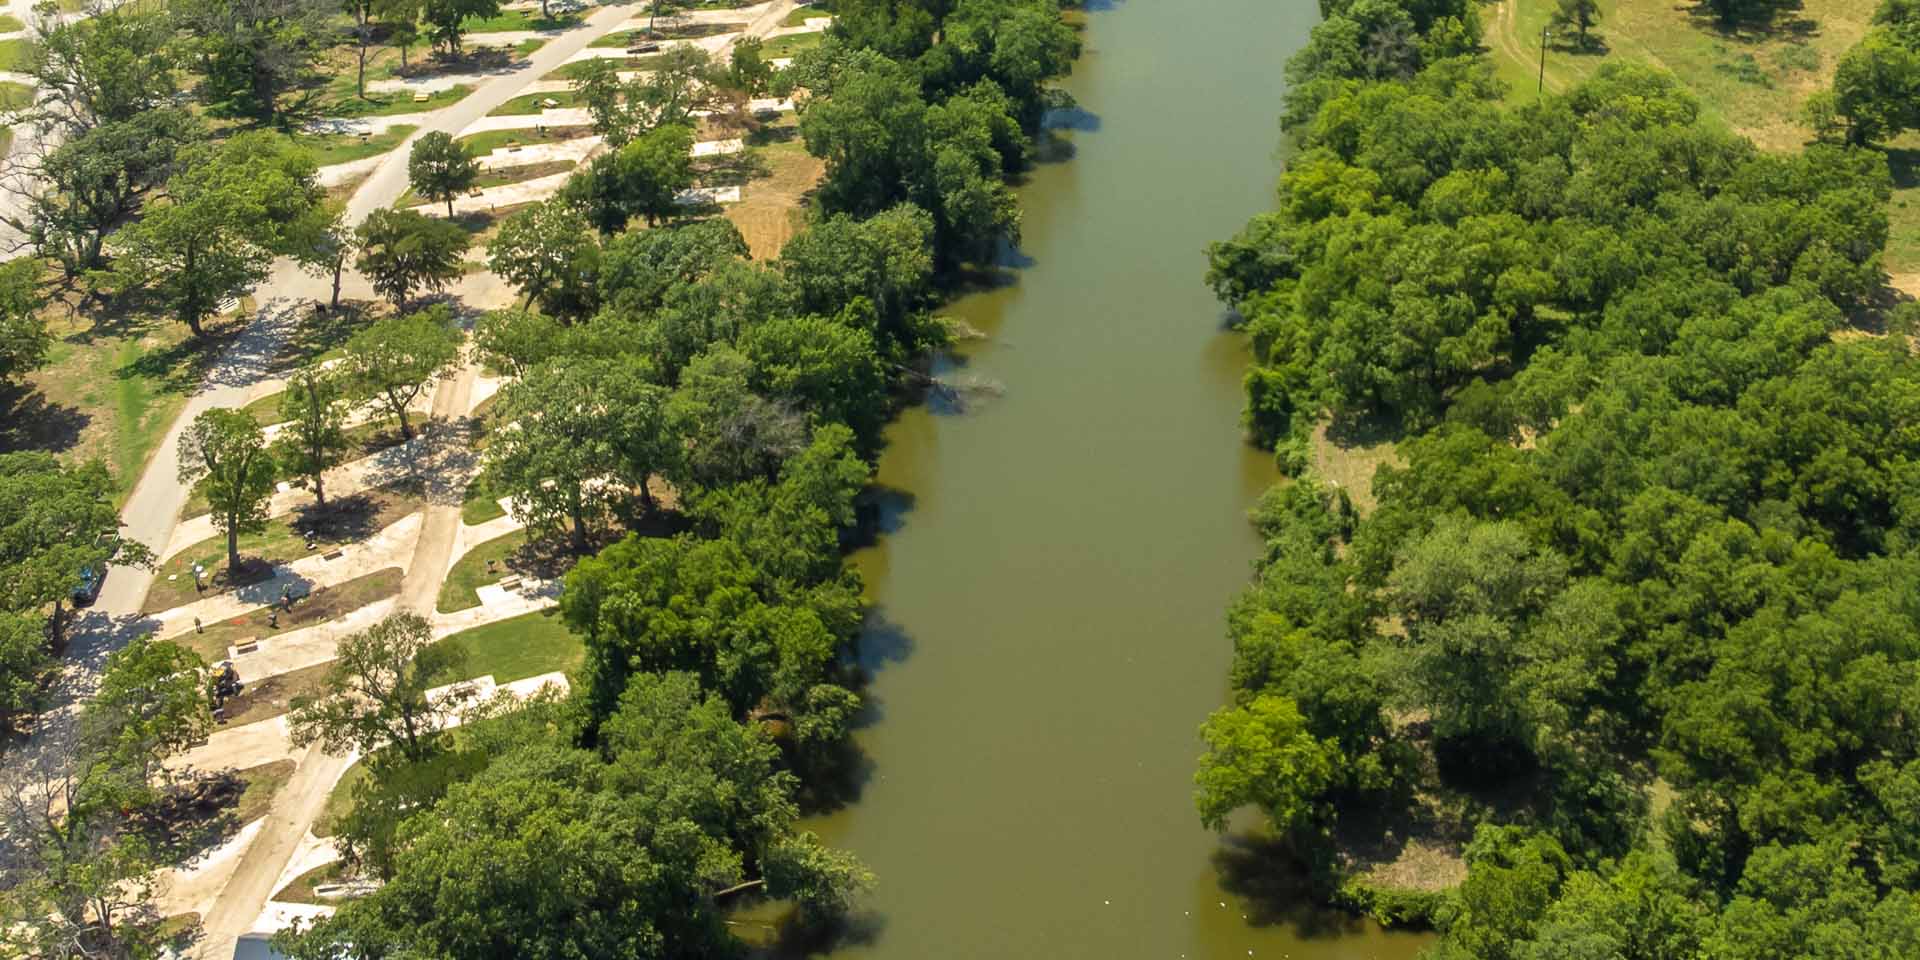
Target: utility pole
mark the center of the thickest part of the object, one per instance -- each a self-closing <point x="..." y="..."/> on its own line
<point x="1542" y="88"/>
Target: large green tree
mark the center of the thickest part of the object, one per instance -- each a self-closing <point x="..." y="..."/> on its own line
<point x="230" y="210"/>
<point x="549" y="252"/>
<point x="313" y="439"/>
<point x="395" y="359"/>
<point x="403" y="251"/>
<point x="224" y="457"/>
<point x="374" y="696"/>
<point x="440" y="168"/>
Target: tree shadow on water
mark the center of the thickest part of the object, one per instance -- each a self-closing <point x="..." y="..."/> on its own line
<point x="1278" y="888"/>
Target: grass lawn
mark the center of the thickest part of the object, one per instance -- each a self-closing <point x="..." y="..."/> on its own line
<point x="525" y="646"/>
<point x="332" y="148"/>
<point x="1753" y="78"/>
<point x="10" y="24"/>
<point x="457" y="593"/>
<point x="1903" y="214"/>
<point x="488" y="141"/>
<point x="300" y="888"/>
<point x="692" y="31"/>
<point x="480" y="506"/>
<point x="516" y="20"/>
<point x="527" y="48"/>
<point x="389" y="103"/>
<point x="791" y="44"/>
<point x="801" y="15"/>
<point x="323" y="604"/>
<point x="340" y="801"/>
<point x="346" y="520"/>
<point x="262" y="782"/>
<point x="579" y="68"/>
<point x="534" y="103"/>
<point x="14" y="96"/>
<point x="13" y="53"/>
<point x="112" y="385"/>
<point x="6" y="140"/>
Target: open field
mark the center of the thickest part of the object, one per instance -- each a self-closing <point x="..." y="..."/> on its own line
<point x="1753" y="79"/>
<point x="533" y="103"/>
<point x="110" y="387"/>
<point x="773" y="200"/>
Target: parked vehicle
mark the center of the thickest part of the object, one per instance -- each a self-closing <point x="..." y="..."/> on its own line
<point x="88" y="589"/>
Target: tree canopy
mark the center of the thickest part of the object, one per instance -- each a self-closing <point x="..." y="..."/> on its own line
<point x="1647" y="522"/>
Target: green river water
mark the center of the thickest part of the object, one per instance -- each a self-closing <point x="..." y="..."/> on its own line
<point x="1049" y="597"/>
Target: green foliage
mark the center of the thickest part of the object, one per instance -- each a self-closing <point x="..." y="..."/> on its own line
<point x="374" y="696"/>
<point x="448" y="19"/>
<point x="224" y="457"/>
<point x="23" y="334"/>
<point x="644" y="178"/>
<point x="403" y="251"/>
<point x="153" y="701"/>
<point x="314" y="440"/>
<point x="439" y="168"/>
<point x="589" y="434"/>
<point x="549" y="253"/>
<point x="1262" y="754"/>
<point x="230" y="210"/>
<point x="1649" y="539"/>
<point x="394" y="359"/>
<point x="253" y="55"/>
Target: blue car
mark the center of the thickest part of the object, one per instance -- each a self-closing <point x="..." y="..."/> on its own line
<point x="88" y="588"/>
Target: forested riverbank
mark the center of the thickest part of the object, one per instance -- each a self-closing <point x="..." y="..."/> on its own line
<point x="1618" y="656"/>
<point x="718" y="691"/>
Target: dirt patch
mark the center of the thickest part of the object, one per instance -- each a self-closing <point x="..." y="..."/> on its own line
<point x="323" y="604"/>
<point x="773" y="206"/>
<point x="273" y="696"/>
<point x="1348" y="458"/>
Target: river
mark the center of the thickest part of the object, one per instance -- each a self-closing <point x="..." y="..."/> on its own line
<point x="1050" y="594"/>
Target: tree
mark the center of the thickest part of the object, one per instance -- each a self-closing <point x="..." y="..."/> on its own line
<point x="230" y="210"/>
<point x="732" y="433"/>
<point x="642" y="179"/>
<point x="748" y="70"/>
<point x="114" y="65"/>
<point x="639" y="268"/>
<point x="224" y="456"/>
<point x="1578" y="16"/>
<point x="25" y="665"/>
<point x="448" y="18"/>
<point x="324" y="244"/>
<point x="253" y="53"/>
<point x="56" y="520"/>
<point x="153" y="702"/>
<point x="1875" y="88"/>
<point x="96" y="179"/>
<point x="886" y="259"/>
<point x="395" y="359"/>
<point x="1262" y="754"/>
<point x="402" y="251"/>
<point x="374" y="696"/>
<point x="577" y="426"/>
<point x="371" y="18"/>
<point x="314" y="439"/>
<point x="548" y="251"/>
<point x="515" y="341"/>
<point x="23" y="335"/>
<point x="440" y="168"/>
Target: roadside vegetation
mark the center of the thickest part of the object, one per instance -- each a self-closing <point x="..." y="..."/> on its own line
<point x="1613" y="655"/>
